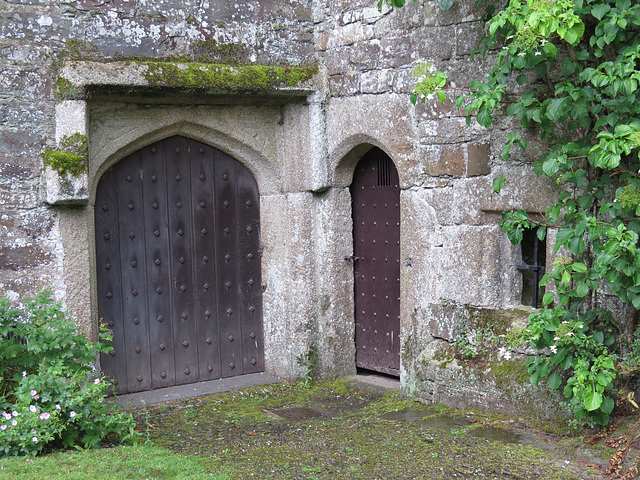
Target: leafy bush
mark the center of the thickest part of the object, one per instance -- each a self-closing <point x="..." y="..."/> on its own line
<point x="50" y="394"/>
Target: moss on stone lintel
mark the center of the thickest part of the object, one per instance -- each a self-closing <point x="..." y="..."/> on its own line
<point x="225" y="78"/>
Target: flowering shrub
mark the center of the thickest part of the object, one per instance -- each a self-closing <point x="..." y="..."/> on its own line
<point x="50" y="394"/>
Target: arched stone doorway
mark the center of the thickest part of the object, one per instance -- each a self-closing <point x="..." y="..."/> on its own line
<point x="375" y="194"/>
<point x="178" y="266"/>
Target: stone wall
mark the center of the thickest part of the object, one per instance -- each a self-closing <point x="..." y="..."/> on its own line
<point x="301" y="143"/>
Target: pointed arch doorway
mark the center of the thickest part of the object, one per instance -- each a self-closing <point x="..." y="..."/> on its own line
<point x="375" y="196"/>
<point x="178" y="266"/>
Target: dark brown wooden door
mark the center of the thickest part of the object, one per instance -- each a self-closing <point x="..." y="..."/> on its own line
<point x="375" y="195"/>
<point x="178" y="266"/>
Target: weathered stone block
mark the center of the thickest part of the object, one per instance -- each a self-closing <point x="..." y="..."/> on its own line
<point x="478" y="159"/>
<point x="65" y="189"/>
<point x="342" y="85"/>
<point x="448" y="161"/>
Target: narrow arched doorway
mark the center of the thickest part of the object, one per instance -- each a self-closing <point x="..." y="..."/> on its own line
<point x="375" y="194"/>
<point x="178" y="266"/>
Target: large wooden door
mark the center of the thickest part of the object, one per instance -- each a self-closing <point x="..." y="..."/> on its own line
<point x="375" y="195"/>
<point x="178" y="266"/>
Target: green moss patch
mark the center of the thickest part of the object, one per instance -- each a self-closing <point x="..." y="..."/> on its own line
<point x="226" y="78"/>
<point x="71" y="158"/>
<point x="354" y="436"/>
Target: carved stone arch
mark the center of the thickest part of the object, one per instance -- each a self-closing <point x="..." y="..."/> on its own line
<point x="349" y="152"/>
<point x="259" y="165"/>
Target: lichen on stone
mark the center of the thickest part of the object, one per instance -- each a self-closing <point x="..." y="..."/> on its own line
<point x="71" y="158"/>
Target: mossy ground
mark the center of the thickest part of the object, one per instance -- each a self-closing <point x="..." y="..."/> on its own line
<point x="353" y="436"/>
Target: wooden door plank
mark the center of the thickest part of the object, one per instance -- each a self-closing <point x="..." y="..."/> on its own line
<point x="204" y="261"/>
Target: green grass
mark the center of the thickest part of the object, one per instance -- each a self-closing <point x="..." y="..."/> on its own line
<point x="117" y="463"/>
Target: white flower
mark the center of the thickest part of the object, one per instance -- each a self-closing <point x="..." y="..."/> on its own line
<point x="569" y="334"/>
<point x="510" y="37"/>
<point x="34" y="439"/>
<point x="3" y="427"/>
<point x="14" y="413"/>
<point x="553" y="349"/>
<point x="72" y="414"/>
<point x="538" y="53"/>
<point x="96" y="381"/>
<point x="580" y="326"/>
<point x="14" y="423"/>
<point x="58" y="407"/>
<point x="555" y="339"/>
<point x="522" y="54"/>
<point x="544" y="41"/>
<point x="24" y="373"/>
<point x="6" y="415"/>
<point x="32" y="408"/>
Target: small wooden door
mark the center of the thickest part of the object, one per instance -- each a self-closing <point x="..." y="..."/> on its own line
<point x="375" y="195"/>
<point x="178" y="266"/>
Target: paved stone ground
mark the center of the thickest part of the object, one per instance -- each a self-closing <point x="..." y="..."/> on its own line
<point x="195" y="389"/>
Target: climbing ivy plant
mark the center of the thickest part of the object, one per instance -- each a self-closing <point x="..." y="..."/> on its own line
<point x="569" y="71"/>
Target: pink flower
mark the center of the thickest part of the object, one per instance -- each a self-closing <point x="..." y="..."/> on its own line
<point x="96" y="381"/>
<point x="3" y="427"/>
<point x="58" y="407"/>
<point x="6" y="415"/>
<point x="32" y="408"/>
<point x="45" y="416"/>
<point x="33" y="393"/>
<point x="37" y="397"/>
<point x="24" y="373"/>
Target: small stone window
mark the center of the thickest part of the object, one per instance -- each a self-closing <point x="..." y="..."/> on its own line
<point x="534" y="257"/>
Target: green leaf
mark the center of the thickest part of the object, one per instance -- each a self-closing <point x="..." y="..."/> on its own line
<point x="635" y="300"/>
<point x="557" y="357"/>
<point x="498" y="183"/>
<point x="484" y="118"/>
<point x="535" y="378"/>
<point x="592" y="400"/>
<point x="582" y="55"/>
<point x="550" y="49"/>
<point x="607" y="405"/>
<point x="554" y="380"/>
<point x="556" y="109"/>
<point x="441" y="95"/>
<point x="541" y="69"/>
<point x="547" y="298"/>
<point x="521" y="79"/>
<point x="582" y="290"/>
<point x="446" y="4"/>
<point x="599" y="11"/>
<point x="579" y="267"/>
